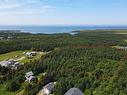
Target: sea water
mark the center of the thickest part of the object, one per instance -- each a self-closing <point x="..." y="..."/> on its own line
<point x="55" y="29"/>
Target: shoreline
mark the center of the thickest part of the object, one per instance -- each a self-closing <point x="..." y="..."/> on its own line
<point x="123" y="30"/>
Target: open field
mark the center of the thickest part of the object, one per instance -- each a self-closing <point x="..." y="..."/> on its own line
<point x="19" y="56"/>
<point x="12" y="55"/>
<point x="24" y="59"/>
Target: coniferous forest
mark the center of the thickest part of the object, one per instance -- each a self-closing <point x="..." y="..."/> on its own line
<point x="89" y="60"/>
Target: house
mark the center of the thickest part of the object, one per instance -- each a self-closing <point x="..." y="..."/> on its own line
<point x="123" y="47"/>
<point x="6" y="63"/>
<point x="31" y="54"/>
<point x="11" y="64"/>
<point x="47" y="89"/>
<point x="30" y="76"/>
<point x="74" y="91"/>
<point x="16" y="65"/>
<point x="12" y="61"/>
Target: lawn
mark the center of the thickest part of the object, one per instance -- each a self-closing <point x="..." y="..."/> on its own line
<point x="19" y="56"/>
<point x="11" y="55"/>
<point x="27" y="60"/>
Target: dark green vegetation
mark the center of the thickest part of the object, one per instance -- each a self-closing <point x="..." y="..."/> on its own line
<point x="49" y="42"/>
<point x="85" y="60"/>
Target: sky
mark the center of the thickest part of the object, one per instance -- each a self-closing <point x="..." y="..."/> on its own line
<point x="63" y="12"/>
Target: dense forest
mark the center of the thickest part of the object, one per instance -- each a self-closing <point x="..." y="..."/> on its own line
<point x="86" y="60"/>
<point x="47" y="42"/>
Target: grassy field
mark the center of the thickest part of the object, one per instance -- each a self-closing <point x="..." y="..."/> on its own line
<point x="19" y="56"/>
<point x="11" y="55"/>
<point x="25" y="59"/>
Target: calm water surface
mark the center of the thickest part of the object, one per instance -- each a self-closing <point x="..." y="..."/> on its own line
<point x="57" y="29"/>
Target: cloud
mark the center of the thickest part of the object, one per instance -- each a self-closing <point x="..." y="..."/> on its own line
<point x="23" y="7"/>
<point x="21" y="13"/>
<point x="5" y="6"/>
<point x="25" y="12"/>
<point x="48" y="7"/>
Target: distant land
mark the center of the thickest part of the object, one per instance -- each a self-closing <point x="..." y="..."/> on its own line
<point x="56" y="29"/>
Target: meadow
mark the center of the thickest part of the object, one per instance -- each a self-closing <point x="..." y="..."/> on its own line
<point x="20" y="56"/>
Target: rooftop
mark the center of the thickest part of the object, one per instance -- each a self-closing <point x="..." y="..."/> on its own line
<point x="74" y="91"/>
<point x="28" y="74"/>
<point x="49" y="86"/>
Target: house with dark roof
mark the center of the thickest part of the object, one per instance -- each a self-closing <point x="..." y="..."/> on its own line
<point x="74" y="91"/>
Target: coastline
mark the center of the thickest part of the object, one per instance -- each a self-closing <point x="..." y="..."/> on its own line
<point x="57" y="29"/>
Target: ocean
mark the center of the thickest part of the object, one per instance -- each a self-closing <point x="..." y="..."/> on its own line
<point x="56" y="29"/>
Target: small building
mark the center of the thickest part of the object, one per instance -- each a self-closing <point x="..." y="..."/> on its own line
<point x="74" y="91"/>
<point x="16" y="65"/>
<point x="123" y="47"/>
<point x="11" y="64"/>
<point x="47" y="89"/>
<point x="28" y="74"/>
<point x="6" y="63"/>
<point x="31" y="54"/>
<point x="30" y="77"/>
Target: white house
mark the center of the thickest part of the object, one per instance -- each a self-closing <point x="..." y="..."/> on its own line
<point x="123" y="47"/>
<point x="47" y="89"/>
<point x="31" y="54"/>
<point x="30" y="76"/>
<point x="74" y="91"/>
<point x="6" y="63"/>
<point x="10" y="64"/>
<point x="16" y="65"/>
